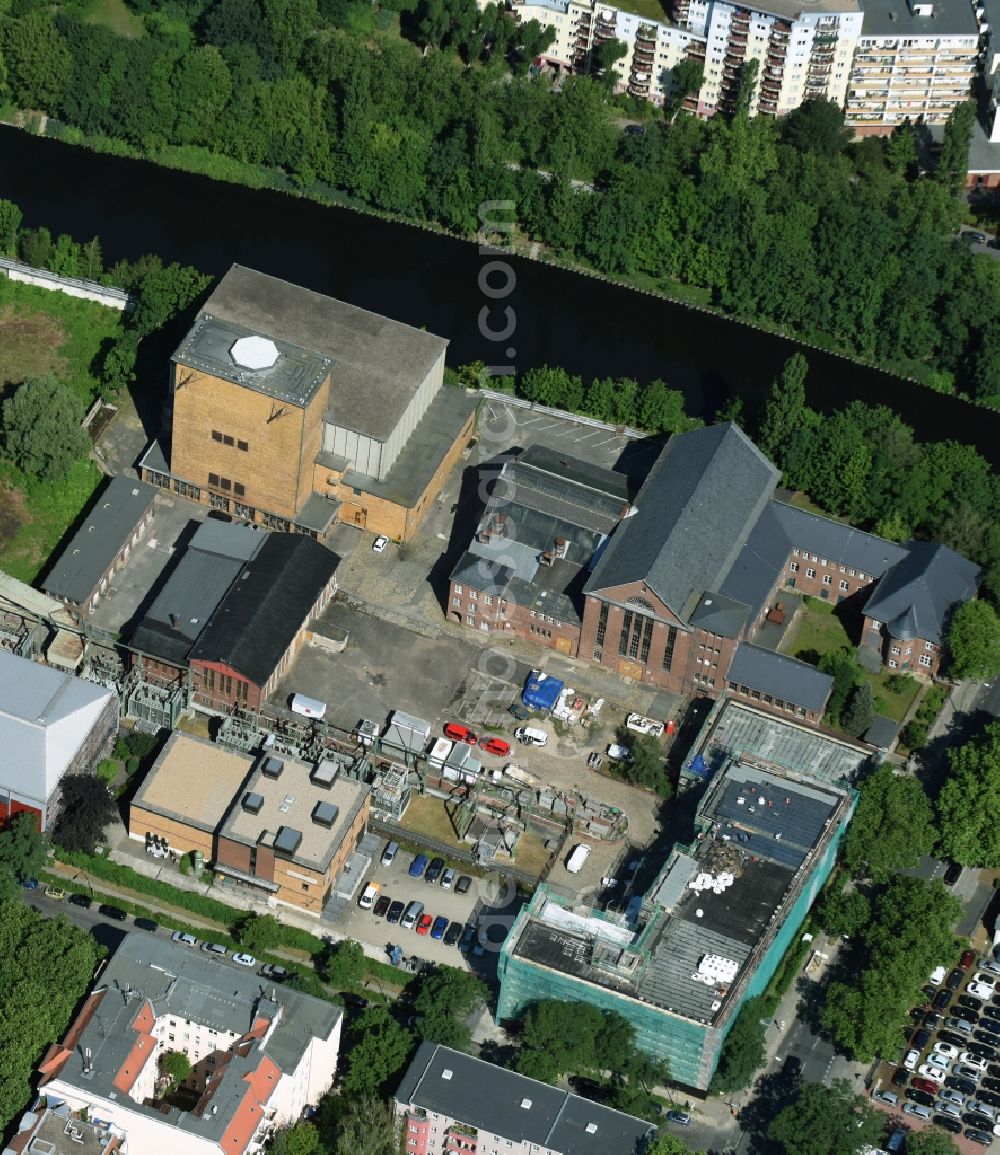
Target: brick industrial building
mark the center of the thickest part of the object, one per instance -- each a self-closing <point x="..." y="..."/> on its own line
<point x="669" y="587"/>
<point x="296" y="411"/>
<point x="267" y="823"/>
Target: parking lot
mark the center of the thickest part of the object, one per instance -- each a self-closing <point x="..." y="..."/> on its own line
<point x="950" y="1076"/>
<point x="488" y="903"/>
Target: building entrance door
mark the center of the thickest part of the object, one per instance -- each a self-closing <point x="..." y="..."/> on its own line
<point x="628" y="668"/>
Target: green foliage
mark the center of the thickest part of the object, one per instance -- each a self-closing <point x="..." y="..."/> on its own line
<point x="10" y="224"/>
<point x="444" y="1001"/>
<point x="953" y="159"/>
<point x="302" y="1139"/>
<point x="379" y="1049"/>
<point x="911" y="931"/>
<point x="973" y="641"/>
<point x="259" y="932"/>
<point x="832" y="1119"/>
<point x="22" y="847"/>
<point x="892" y="827"/>
<point x="930" y="1141"/>
<point x="844" y="912"/>
<point x="85" y="810"/>
<point x="846" y="674"/>
<point x="914" y="734"/>
<point x="648" y="766"/>
<point x="969" y="802"/>
<point x="860" y="710"/>
<point x="41" y="430"/>
<point x="743" y="1050"/>
<point x="344" y="964"/>
<point x="367" y="1125"/>
<point x="107" y="770"/>
<point x="666" y="1144"/>
<point x="176" y="1066"/>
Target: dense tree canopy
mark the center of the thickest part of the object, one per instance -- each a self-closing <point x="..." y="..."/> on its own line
<point x="378" y="1050"/>
<point x="974" y="641"/>
<point x="892" y="826"/>
<point x="41" y="429"/>
<point x="444" y="1001"/>
<point x="85" y="809"/>
<point x="969" y="802"/>
<point x="22" y="847"/>
<point x="834" y="1120"/>
<point x="743" y="1051"/>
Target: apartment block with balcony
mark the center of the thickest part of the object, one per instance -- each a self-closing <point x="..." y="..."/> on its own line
<point x="916" y="60"/>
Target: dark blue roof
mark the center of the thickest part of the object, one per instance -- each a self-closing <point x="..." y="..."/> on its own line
<point x="780" y="676"/>
<point x="915" y="596"/>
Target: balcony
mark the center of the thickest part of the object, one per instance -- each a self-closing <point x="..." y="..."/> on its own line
<point x="646" y="36"/>
<point x="645" y="56"/>
<point x="738" y="39"/>
<point x="767" y="107"/>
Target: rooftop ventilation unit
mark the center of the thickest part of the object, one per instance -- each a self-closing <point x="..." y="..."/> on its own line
<point x="446" y="1074"/>
<point x="252" y="803"/>
<point x="526" y="1104"/>
<point x="286" y="803"/>
<point x="272" y="767"/>
<point x="591" y="1128"/>
<point x="254" y="353"/>
<point x="325" y="814"/>
<point x="287" y="840"/>
<point x="325" y="774"/>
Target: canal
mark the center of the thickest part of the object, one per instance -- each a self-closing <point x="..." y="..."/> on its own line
<point x="432" y="281"/>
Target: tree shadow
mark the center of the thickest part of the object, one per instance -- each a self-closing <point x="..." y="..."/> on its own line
<point x="773" y="1092"/>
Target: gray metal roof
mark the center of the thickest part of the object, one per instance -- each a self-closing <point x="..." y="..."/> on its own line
<point x="780" y="676"/>
<point x="720" y="615"/>
<point x="576" y="470"/>
<point x="837" y="542"/>
<point x="194" y="986"/>
<point x="78" y="570"/>
<point x="915" y="597"/>
<point x="695" y="512"/>
<point x="516" y="1108"/>
<point x="895" y="18"/>
<point x="754" y="572"/>
<point x="882" y="732"/>
<point x="378" y="364"/>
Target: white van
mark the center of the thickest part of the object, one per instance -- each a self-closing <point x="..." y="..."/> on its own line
<point x="529" y="736"/>
<point x="308" y="707"/>
<point x="577" y="859"/>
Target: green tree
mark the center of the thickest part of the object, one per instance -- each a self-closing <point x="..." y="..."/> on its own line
<point x="41" y="429"/>
<point x="379" y="1049"/>
<point x="301" y="1139"/>
<point x="846" y="674"/>
<point x="953" y="159"/>
<point x="176" y="1066"/>
<point x="258" y="932"/>
<point x="969" y="802"/>
<point x="973" y="640"/>
<point x="661" y="409"/>
<point x="749" y="71"/>
<point x="22" y="847"/>
<point x="786" y="405"/>
<point x="10" y="224"/>
<point x="39" y="64"/>
<point x="368" y="1126"/>
<point x="163" y="292"/>
<point x="743" y="1050"/>
<point x="816" y="126"/>
<point x="85" y="810"/>
<point x="832" y="1119"/>
<point x="648" y="766"/>
<point x="445" y="1000"/>
<point x="892" y="827"/>
<point x="552" y="387"/>
<point x="202" y="86"/>
<point x="686" y="79"/>
<point x="603" y="58"/>
<point x="860" y="710"/>
<point x="344" y="964"/>
<point x="930" y="1141"/>
<point x="665" y="1144"/>
<point x="844" y="912"/>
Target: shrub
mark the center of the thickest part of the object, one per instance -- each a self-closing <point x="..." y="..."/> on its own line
<point x="107" y="770"/>
<point x="914" y="734"/>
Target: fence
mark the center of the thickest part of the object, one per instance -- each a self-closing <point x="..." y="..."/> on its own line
<point x="592" y="422"/>
<point x="71" y="286"/>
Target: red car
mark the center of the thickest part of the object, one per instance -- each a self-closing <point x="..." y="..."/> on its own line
<point x="927" y="1085"/>
<point x="967" y="959"/>
<point x="425" y="923"/>
<point x="459" y="733"/>
<point x="494" y="746"/>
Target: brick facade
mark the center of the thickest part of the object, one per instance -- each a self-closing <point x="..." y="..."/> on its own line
<point x="904" y="656"/>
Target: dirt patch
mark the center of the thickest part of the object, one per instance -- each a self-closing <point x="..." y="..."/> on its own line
<point x="12" y="515"/>
<point x="29" y="346"/>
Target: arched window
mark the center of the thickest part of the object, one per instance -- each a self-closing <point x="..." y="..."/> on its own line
<point x="640" y="605"/>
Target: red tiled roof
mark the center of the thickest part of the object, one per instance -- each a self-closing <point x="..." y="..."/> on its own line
<point x="260" y="1086"/>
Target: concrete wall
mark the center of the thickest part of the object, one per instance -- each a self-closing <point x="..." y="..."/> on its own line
<point x="107" y="295"/>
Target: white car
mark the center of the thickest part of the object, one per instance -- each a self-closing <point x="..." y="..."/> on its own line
<point x="973" y="1061"/>
<point x="985" y="978"/>
<point x="379" y="544"/>
<point x="245" y="960"/>
<point x="980" y="990"/>
<point x="935" y="1074"/>
<point x="937" y="1060"/>
<point x="945" y="1049"/>
<point x="184" y="939"/>
<point x="643" y="725"/>
<point x="911" y="1060"/>
<point x="619" y="753"/>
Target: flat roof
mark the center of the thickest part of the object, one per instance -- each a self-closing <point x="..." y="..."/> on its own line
<point x="378" y="364"/>
<point x="193" y="781"/>
<point x="288" y="802"/>
<point x="294" y="376"/>
<point x="87" y="557"/>
<point x="895" y="18"/>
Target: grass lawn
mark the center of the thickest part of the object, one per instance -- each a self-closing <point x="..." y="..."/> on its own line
<point x="117" y="16"/>
<point x="44" y="332"/>
<point x="34" y="515"/>
<point x="817" y="630"/>
<point x="894" y="703"/>
<point x="530" y="854"/>
<point x="427" y="815"/>
<point x="649" y="9"/>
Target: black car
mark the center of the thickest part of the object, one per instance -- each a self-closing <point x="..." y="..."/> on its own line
<point x="380" y="907"/>
<point x="453" y="934"/>
<point x="948" y="1123"/>
<point x="952" y="874"/>
<point x="991" y="1025"/>
<point x="433" y="872"/>
<point x="929" y="992"/>
<point x="961" y="1083"/>
<point x="114" y="912"/>
<point x="982" y="1051"/>
<point x="991" y="1012"/>
<point x="990" y="1084"/>
<point x="969" y="1015"/>
<point x="147" y="924"/>
<point x="974" y="1120"/>
<point x="920" y="1039"/>
<point x="941" y="1000"/>
<point x="955" y="979"/>
<point x="917" y="1016"/>
<point x="920" y="1097"/>
<point x="983" y="1138"/>
<point x="521" y="713"/>
<point x="994" y="1070"/>
<point x="990" y="1097"/>
<point x="970" y="1003"/>
<point x="83" y="900"/>
<point x="395" y="911"/>
<point x="932" y="1020"/>
<point x="463" y="885"/>
<point x="901" y="1077"/>
<point x="951" y="1037"/>
<point x="793" y="1067"/>
<point x="468" y="937"/>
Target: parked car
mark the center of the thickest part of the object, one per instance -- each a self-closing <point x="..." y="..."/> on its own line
<point x="889" y="1097"/>
<point x="957" y="1024"/>
<point x="29" y="883"/>
<point x="448" y="879"/>
<point x="900" y="1077"/>
<point x="983" y="1138"/>
<point x="424" y="924"/>
<point x="929" y="1071"/>
<point x="940" y="1061"/>
<point x="991" y="966"/>
<point x="957" y="1083"/>
<point x="920" y="1039"/>
<point x="681" y="1118"/>
<point x="459" y="733"/>
<point x="114" y="912"/>
<point x="274" y="972"/>
<point x="911" y="1060"/>
<point x="921" y="1110"/>
<point x="990" y="1097"/>
<point x="379" y="544"/>
<point x="932" y="1020"/>
<point x="942" y="999"/>
<point x="915" y="1095"/>
<point x="990" y="1011"/>
<point x="618" y="753"/>
<point x="952" y="1109"/>
<point x="453" y="934"/>
<point x="244" y="960"/>
<point x="369" y="896"/>
<point x="468" y="937"/>
<point x="948" y="1124"/>
<point x="980" y="990"/>
<point x="968" y="1066"/>
<point x="947" y="1049"/>
<point x="499" y="747"/>
<point x="381" y="907"/>
<point x="411" y="914"/>
<point x="463" y="885"/>
<point x="967" y="959"/>
<point x="390" y="852"/>
<point x="146" y="924"/>
<point x="986" y="979"/>
<point x="439" y="927"/>
<point x="947" y="1095"/>
<point x="55" y="892"/>
<point x="955" y="979"/>
<point x="951" y="1037"/>
<point x="643" y="725"/>
<point x="971" y="1004"/>
<point x="979" y="1107"/>
<point x="81" y="900"/>
<point x="434" y="870"/>
<point x="418" y="866"/>
<point x="928" y="1086"/>
<point x="395" y="911"/>
<point x="952" y="874"/>
<point x="215" y="948"/>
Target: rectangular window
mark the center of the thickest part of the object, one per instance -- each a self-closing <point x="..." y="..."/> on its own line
<point x="213" y="479"/>
<point x="602" y="624"/>
<point x="895" y="650"/>
<point x="456" y="601"/>
<point x="225" y="483"/>
<point x="668" y="649"/>
<point x="647" y="638"/>
<point x="893" y="663"/>
<point x="488" y="600"/>
<point x="474" y="594"/>
<point x="843" y="585"/>
<point x="876" y="625"/>
<point x="633" y="642"/>
<point x="623" y="637"/>
<point x="458" y="588"/>
<point x="827" y="579"/>
<point x="216" y="436"/>
<point x="925" y="660"/>
<point x="598" y="655"/>
<point x="794" y="567"/>
<point x="928" y="645"/>
<point x="810" y="573"/>
<point x="238" y="489"/>
<point x="851" y="572"/>
<point x="243" y="446"/>
<point x="228" y="439"/>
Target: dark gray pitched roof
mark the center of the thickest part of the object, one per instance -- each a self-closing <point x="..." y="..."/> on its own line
<point x="720" y="615"/>
<point x="755" y="570"/>
<point x="780" y="676"/>
<point x="694" y="513"/>
<point x="916" y="594"/>
<point x="515" y="1107"/>
<point x="264" y="608"/>
<point x="91" y="550"/>
<point x="836" y="541"/>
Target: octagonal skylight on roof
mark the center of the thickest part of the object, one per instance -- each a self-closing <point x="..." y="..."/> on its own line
<point x="254" y="352"/>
